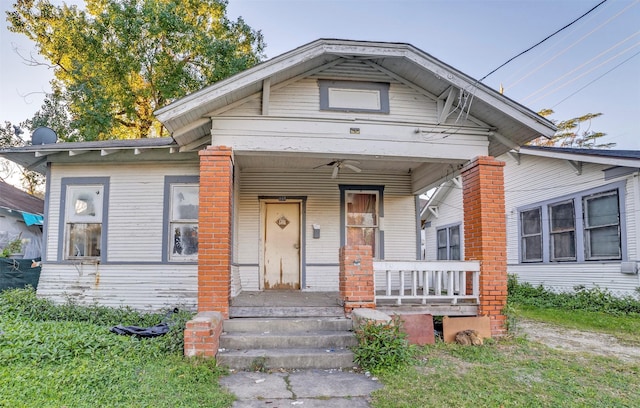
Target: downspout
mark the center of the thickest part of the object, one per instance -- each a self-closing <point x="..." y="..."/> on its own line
<point x="636" y="214"/>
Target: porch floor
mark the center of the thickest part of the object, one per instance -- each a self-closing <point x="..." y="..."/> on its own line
<point x="286" y="298"/>
<point x="279" y="303"/>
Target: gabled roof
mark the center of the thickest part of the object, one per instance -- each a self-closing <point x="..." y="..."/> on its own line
<point x="625" y="158"/>
<point x="188" y="119"/>
<point x="15" y="199"/>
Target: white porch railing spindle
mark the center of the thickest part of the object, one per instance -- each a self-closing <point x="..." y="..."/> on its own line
<point x="425" y="286"/>
<point x="452" y="275"/>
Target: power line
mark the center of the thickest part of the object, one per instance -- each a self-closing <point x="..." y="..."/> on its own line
<point x="566" y="49"/>
<point x="579" y="76"/>
<point x="545" y="39"/>
<point x="589" y="83"/>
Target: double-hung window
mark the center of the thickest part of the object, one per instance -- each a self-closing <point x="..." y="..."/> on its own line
<point x="448" y="242"/>
<point x="602" y="226"/>
<point x="181" y="218"/>
<point x="531" y="235"/>
<point x="562" y="220"/>
<point x="584" y="226"/>
<point x="84" y="213"/>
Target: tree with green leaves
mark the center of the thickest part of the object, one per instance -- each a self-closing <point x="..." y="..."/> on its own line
<point x="116" y="61"/>
<point x="570" y="134"/>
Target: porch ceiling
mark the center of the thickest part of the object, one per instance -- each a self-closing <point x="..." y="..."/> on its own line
<point x="290" y="162"/>
<point x="424" y="174"/>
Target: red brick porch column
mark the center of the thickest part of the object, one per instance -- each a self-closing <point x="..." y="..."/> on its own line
<point x="356" y="278"/>
<point x="214" y="254"/>
<point x="485" y="234"/>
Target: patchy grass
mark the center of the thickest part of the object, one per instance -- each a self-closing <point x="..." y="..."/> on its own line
<point x="56" y="356"/>
<point x="584" y="309"/>
<point x="509" y="373"/>
<point x="624" y="328"/>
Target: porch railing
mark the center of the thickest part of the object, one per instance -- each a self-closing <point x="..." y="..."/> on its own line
<point x="427" y="281"/>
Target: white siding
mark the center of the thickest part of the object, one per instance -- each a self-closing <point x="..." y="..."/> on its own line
<point x="538" y="179"/>
<point x="449" y="212"/>
<point x="302" y="99"/>
<point x="133" y="274"/>
<point x="322" y="208"/>
<point x="142" y="287"/>
<point x="136" y="200"/>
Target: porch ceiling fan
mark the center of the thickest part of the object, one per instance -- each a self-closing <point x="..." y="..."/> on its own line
<point x="341" y="164"/>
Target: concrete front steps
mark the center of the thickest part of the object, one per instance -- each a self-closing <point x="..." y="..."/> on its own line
<point x="286" y="342"/>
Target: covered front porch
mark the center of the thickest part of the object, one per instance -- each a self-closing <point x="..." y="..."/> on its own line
<point x="474" y="287"/>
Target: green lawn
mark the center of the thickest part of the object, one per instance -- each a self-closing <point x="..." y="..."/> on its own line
<point x="65" y="356"/>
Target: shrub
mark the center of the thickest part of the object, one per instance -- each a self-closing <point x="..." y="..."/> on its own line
<point x="592" y="300"/>
<point x="23" y="303"/>
<point x="382" y="346"/>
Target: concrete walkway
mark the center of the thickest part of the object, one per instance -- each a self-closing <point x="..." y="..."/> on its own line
<point x="304" y="388"/>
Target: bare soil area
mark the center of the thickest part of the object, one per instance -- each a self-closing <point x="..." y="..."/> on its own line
<point x="561" y="338"/>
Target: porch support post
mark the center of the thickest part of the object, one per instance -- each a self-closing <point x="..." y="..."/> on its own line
<point x="485" y="236"/>
<point x="214" y="254"/>
<point x="356" y="278"/>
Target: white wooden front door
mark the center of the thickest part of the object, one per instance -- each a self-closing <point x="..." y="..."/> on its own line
<point x="281" y="260"/>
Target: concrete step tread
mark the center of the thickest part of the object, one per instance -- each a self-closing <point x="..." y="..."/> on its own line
<point x="286" y="351"/>
<point x="285" y="311"/>
<point x="307" y="333"/>
<point x="286" y="358"/>
<point x="286" y="324"/>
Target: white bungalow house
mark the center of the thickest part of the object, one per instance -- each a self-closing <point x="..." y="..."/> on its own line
<point x="300" y="174"/>
<point x="572" y="218"/>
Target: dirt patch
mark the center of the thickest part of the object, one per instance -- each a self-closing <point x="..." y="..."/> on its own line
<point x="561" y="338"/>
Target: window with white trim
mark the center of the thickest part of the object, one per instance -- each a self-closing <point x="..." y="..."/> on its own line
<point x="448" y="243"/>
<point x="83" y="221"/>
<point x="183" y="221"/>
<point x="584" y="226"/>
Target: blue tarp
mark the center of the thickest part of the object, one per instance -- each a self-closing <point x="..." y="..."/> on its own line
<point x="32" y="219"/>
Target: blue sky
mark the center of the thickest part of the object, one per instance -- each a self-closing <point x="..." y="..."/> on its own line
<point x="473" y="36"/>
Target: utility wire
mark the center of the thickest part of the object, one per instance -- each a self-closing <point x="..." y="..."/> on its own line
<point x="545" y="39"/>
<point x="579" y="76"/>
<point x="547" y="61"/>
<point x="596" y="79"/>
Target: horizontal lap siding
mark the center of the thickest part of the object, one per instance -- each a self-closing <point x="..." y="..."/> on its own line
<point x="302" y="99"/>
<point x="565" y="277"/>
<point x="449" y="212"/>
<point x="136" y="205"/>
<point x="539" y="179"/>
<point x="143" y="287"/>
<point x="134" y="235"/>
<point x="322" y="208"/>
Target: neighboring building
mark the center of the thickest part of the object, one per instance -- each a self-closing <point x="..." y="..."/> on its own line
<point x="572" y="218"/>
<point x="21" y="217"/>
<point x="269" y="173"/>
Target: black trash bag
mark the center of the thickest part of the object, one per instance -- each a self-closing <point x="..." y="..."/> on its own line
<point x="153" y="331"/>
